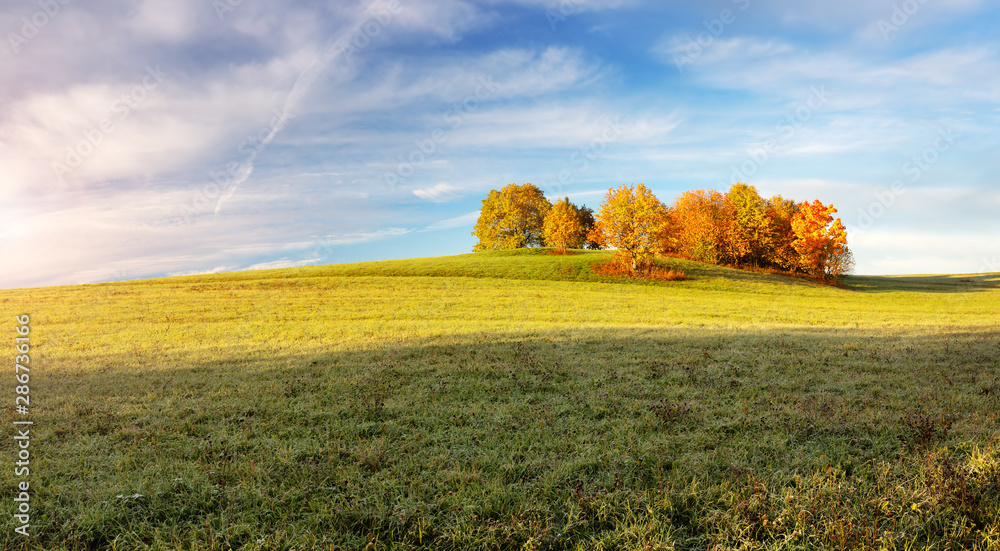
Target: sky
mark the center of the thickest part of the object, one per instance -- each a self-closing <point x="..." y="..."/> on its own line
<point x="147" y="138"/>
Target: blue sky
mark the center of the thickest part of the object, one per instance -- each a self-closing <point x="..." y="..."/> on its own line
<point x="164" y="137"/>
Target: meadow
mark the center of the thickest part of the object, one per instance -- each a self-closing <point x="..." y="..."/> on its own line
<point x="511" y="400"/>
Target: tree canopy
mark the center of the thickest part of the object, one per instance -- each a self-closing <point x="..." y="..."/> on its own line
<point x="512" y="218"/>
<point x="588" y="221"/>
<point x="820" y="240"/>
<point x="696" y="223"/>
<point x="632" y="220"/>
<point x="740" y="228"/>
<point x="746" y="226"/>
<point x="564" y="226"/>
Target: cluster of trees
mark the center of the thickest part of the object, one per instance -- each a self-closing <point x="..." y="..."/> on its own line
<point x="738" y="228"/>
<point x="521" y="216"/>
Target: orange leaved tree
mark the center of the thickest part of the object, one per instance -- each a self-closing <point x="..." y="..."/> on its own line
<point x="697" y="219"/>
<point x="564" y="226"/>
<point x="633" y="221"/>
<point x="820" y="241"/>
<point x="512" y="218"/>
<point x="780" y="253"/>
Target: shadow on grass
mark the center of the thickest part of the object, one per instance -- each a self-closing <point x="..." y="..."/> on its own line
<point x="925" y="284"/>
<point x="623" y="438"/>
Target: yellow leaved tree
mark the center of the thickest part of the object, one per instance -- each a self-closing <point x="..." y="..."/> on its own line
<point x="512" y="218"/>
<point x="564" y="226"/>
<point x="746" y="227"/>
<point x="633" y="221"/>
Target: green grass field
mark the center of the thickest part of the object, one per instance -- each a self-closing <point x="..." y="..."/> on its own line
<point x="510" y="401"/>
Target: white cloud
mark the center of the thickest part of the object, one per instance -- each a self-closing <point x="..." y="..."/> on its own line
<point x="353" y="238"/>
<point x="574" y="6"/>
<point x="853" y="14"/>
<point x="283" y="263"/>
<point x="933" y="80"/>
<point x="469" y="82"/>
<point x="438" y="194"/>
<point x="445" y="19"/>
<point x="736" y="49"/>
<point x="465" y="220"/>
<point x="137" y="127"/>
<point x="886" y="252"/>
<point x="170" y="20"/>
<point x="215" y="270"/>
<point x="559" y="125"/>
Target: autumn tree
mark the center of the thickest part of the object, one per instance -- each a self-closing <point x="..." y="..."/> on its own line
<point x="779" y="252"/>
<point x="512" y="218"/>
<point x="746" y="227"/>
<point x="564" y="227"/>
<point x="696" y="218"/>
<point x="840" y="263"/>
<point x="633" y="221"/>
<point x="587" y="221"/>
<point x="820" y="240"/>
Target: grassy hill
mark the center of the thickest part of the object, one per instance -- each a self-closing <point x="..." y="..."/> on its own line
<point x="511" y="400"/>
